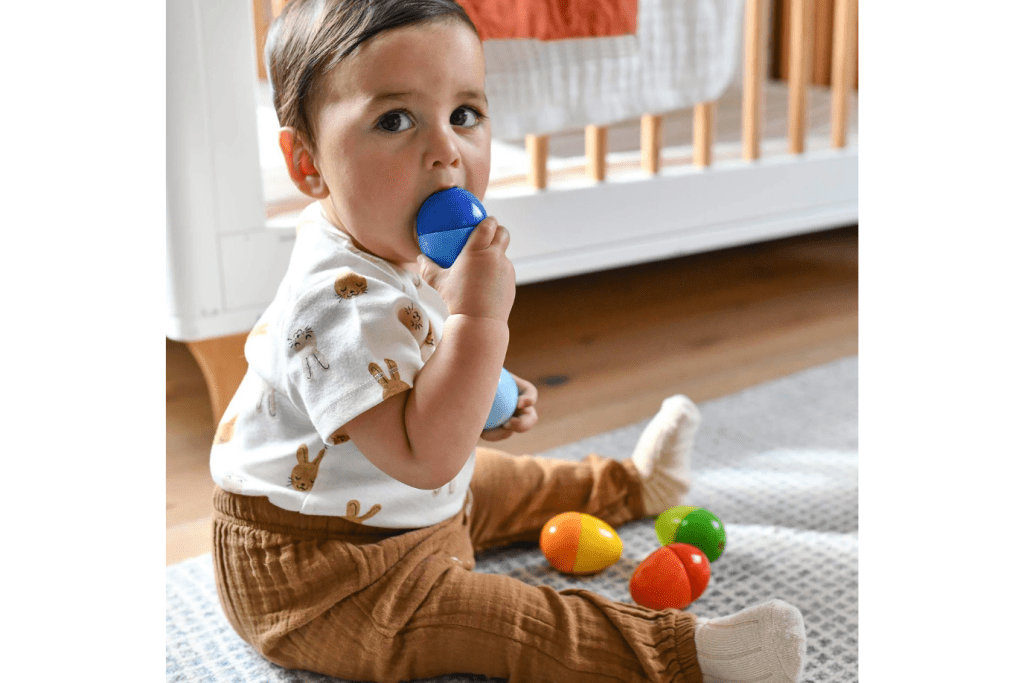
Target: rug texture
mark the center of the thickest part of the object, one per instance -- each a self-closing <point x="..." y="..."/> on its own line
<point x="777" y="463"/>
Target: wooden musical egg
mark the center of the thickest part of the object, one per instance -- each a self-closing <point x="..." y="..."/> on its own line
<point x="693" y="525"/>
<point x="672" y="576"/>
<point x="578" y="543"/>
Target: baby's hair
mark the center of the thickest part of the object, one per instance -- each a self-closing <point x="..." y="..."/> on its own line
<point x="311" y="37"/>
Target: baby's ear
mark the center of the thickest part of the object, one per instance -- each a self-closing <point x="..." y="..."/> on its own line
<point x="298" y="158"/>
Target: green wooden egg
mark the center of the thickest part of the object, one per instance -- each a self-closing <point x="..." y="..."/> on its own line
<point x="693" y="525"/>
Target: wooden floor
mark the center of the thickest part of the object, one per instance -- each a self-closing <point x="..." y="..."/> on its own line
<point x="605" y="348"/>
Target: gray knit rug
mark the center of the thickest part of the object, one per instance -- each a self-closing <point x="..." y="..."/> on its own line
<point x="777" y="463"/>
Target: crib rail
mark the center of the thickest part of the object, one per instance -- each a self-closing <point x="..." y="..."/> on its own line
<point x="801" y="30"/>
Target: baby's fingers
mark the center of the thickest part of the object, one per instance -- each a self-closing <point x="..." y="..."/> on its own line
<point x="501" y="238"/>
<point x="429" y="270"/>
<point x="483" y="234"/>
<point x="496" y="434"/>
<point x="523" y="420"/>
<point x="527" y="395"/>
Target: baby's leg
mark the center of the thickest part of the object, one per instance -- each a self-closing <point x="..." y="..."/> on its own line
<point x="499" y="626"/>
<point x="490" y="624"/>
<point x="663" y="452"/>
<point x="515" y="495"/>
<point x="432" y="616"/>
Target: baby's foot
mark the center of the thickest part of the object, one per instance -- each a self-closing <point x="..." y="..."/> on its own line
<point x="765" y="643"/>
<point x="662" y="454"/>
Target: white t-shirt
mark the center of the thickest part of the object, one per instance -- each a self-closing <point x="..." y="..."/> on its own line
<point x="345" y="331"/>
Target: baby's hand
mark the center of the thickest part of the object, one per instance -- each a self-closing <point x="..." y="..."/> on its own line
<point x="523" y="419"/>
<point x="482" y="281"/>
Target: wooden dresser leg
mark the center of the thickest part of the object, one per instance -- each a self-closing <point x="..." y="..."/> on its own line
<point x="222" y="361"/>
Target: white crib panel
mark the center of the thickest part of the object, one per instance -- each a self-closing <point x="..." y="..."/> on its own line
<point x="637" y="218"/>
<point x="214" y="184"/>
<point x="252" y="281"/>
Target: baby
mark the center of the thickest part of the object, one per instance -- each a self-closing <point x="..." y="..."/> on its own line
<point x="357" y="562"/>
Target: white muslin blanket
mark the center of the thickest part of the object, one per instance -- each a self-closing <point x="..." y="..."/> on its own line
<point x="684" y="52"/>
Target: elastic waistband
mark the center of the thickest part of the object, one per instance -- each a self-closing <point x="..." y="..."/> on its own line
<point x="258" y="512"/>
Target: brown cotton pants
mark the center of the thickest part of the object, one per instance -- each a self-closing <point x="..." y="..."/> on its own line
<point x="369" y="604"/>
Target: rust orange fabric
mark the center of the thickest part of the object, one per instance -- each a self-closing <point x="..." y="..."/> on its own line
<point x="551" y="19"/>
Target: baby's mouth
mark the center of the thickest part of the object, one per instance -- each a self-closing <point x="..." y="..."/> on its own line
<point x="442" y="188"/>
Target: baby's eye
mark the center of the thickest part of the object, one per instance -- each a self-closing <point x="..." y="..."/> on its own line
<point x="395" y="122"/>
<point x="465" y="116"/>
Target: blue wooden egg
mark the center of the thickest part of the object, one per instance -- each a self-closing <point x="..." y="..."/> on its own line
<point x="444" y="223"/>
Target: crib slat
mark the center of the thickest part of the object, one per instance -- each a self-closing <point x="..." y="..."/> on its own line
<point x="801" y="26"/>
<point x="703" y="132"/>
<point x="821" y="61"/>
<point x="537" y="149"/>
<point x="753" y="78"/>
<point x="650" y="143"/>
<point x="596" y="139"/>
<point x="842" y="69"/>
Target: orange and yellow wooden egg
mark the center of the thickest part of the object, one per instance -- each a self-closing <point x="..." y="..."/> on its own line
<point x="578" y="543"/>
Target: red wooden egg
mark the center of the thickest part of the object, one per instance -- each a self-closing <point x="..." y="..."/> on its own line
<point x="672" y="576"/>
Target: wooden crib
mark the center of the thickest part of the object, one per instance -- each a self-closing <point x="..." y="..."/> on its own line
<point x="765" y="159"/>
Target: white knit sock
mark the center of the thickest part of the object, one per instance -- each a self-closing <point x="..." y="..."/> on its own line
<point x="662" y="454"/>
<point x="765" y="643"/>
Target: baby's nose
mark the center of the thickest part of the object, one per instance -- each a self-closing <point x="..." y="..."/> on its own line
<point x="442" y="150"/>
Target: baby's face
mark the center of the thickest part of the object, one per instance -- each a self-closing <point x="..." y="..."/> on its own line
<point x="398" y="120"/>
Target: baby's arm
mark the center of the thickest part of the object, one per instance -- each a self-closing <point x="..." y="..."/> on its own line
<point x="424" y="436"/>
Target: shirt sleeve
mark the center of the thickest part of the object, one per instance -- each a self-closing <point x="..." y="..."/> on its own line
<point x="350" y="347"/>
